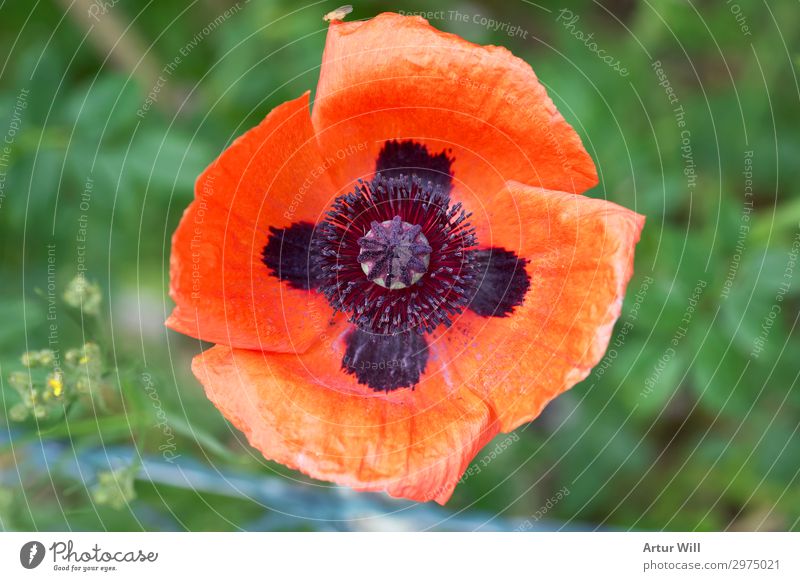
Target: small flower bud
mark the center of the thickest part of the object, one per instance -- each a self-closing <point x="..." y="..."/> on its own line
<point x="83" y="295"/>
<point x="18" y="412"/>
<point x="114" y="488"/>
<point x="42" y="358"/>
<point x="20" y="381"/>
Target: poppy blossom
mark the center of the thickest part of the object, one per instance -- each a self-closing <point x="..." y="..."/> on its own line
<point x="400" y="274"/>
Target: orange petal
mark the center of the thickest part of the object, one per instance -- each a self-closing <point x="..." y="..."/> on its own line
<point x="580" y="253"/>
<point x="304" y="412"/>
<point x="274" y="176"/>
<point x="396" y="77"/>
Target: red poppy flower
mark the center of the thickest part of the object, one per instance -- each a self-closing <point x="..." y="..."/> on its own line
<point x="396" y="278"/>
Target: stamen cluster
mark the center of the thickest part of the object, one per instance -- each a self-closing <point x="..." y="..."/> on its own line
<point x="425" y="226"/>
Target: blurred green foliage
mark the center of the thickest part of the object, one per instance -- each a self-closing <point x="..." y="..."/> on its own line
<point x="677" y="429"/>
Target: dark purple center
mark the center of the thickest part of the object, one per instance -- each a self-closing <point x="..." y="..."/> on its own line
<point x="394" y="254"/>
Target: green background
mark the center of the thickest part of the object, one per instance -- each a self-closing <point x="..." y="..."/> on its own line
<point x="711" y="444"/>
